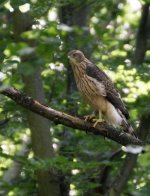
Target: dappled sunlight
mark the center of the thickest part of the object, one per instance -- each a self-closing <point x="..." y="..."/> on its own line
<point x="10" y="148"/>
<point x="34" y="47"/>
<point x="24" y="8"/>
<point x="133" y="83"/>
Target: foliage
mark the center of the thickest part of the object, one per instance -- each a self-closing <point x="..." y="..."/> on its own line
<point x="111" y="41"/>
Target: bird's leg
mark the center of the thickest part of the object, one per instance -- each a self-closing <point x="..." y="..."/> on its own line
<point x="94" y="119"/>
<point x="89" y="117"/>
<point x="92" y="116"/>
<point x="99" y="120"/>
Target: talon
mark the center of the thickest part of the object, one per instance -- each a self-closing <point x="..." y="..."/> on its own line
<point x="89" y="117"/>
<point x="97" y="121"/>
<point x="94" y="119"/>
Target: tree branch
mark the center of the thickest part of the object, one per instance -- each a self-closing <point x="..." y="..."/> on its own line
<point x="71" y="121"/>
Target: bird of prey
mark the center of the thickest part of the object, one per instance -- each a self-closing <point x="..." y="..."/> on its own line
<point x="98" y="91"/>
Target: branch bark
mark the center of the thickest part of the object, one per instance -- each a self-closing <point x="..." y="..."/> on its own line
<point x="71" y="121"/>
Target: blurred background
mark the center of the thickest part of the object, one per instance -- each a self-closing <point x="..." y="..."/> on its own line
<point x="36" y="156"/>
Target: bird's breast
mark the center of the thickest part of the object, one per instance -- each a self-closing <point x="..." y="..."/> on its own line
<point x="91" y="91"/>
<point x="86" y="86"/>
<point x="89" y="86"/>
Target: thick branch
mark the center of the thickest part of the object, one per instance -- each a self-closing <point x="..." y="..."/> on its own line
<point x="74" y="122"/>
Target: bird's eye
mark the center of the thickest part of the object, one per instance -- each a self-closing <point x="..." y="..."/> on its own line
<point x="74" y="55"/>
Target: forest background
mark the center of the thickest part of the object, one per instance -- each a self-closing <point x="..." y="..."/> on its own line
<point x="39" y="157"/>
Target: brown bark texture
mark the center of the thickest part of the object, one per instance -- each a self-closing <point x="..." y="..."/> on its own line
<point x="71" y="121"/>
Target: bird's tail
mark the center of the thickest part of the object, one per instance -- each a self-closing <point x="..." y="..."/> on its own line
<point x="133" y="149"/>
<point x="131" y="130"/>
<point x="128" y="128"/>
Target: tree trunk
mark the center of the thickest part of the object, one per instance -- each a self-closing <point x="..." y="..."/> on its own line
<point x="130" y="160"/>
<point x="40" y="127"/>
<point x="41" y="138"/>
<point x="142" y="36"/>
<point x="71" y="15"/>
<point x="138" y="58"/>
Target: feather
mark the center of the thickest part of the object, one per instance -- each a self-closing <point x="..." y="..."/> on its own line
<point x="111" y="93"/>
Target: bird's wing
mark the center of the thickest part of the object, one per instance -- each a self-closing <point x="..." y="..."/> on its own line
<point x="111" y="93"/>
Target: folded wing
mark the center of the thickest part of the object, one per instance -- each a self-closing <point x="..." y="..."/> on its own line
<point x="111" y="93"/>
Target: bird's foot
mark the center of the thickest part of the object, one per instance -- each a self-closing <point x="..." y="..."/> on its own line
<point x="89" y="117"/>
<point x="96" y="121"/>
<point x="93" y="119"/>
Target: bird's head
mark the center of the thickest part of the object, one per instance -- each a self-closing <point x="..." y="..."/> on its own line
<point x="76" y="56"/>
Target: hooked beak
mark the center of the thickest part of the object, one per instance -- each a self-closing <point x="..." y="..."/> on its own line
<point x="69" y="55"/>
